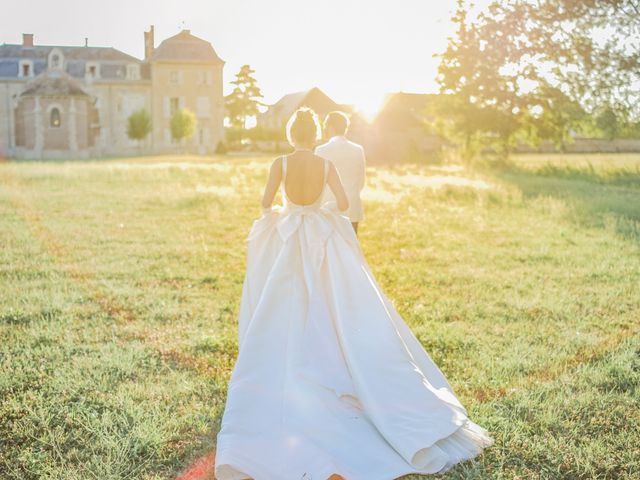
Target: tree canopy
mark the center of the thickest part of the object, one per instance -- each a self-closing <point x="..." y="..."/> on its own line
<point x="139" y="125"/>
<point x="527" y="70"/>
<point x="244" y="101"/>
<point x="183" y="124"/>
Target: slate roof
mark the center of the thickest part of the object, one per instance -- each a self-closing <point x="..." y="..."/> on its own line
<point x="53" y="83"/>
<point x="113" y="63"/>
<point x="185" y="47"/>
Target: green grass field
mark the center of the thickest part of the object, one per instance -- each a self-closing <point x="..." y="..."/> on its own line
<point x="120" y="282"/>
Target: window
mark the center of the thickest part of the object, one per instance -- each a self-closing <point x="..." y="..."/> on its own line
<point x="173" y="77"/>
<point x="54" y="118"/>
<point x="56" y="59"/>
<point x="26" y="68"/>
<point x="174" y="105"/>
<point x="133" y="72"/>
<point x="204" y="78"/>
<point x="92" y="70"/>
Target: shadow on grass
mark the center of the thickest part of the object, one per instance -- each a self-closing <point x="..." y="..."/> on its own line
<point x="608" y="199"/>
<point x="604" y="173"/>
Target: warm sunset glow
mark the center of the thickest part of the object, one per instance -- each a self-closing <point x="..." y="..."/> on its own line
<point x="355" y="51"/>
<point x="369" y="104"/>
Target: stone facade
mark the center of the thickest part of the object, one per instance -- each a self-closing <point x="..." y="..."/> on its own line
<point x="95" y="89"/>
<point x="186" y="73"/>
<point x="53" y="122"/>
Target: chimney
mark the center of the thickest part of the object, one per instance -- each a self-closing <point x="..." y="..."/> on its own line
<point x="27" y="39"/>
<point x="149" y="43"/>
<point x="86" y="41"/>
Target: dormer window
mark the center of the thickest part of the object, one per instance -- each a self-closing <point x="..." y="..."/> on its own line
<point x="26" y="68"/>
<point x="92" y="70"/>
<point x="56" y="59"/>
<point x="133" y="72"/>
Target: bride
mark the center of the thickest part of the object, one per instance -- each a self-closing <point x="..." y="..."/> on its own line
<point x="329" y="380"/>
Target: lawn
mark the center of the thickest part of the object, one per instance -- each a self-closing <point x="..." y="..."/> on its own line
<point x="120" y="282"/>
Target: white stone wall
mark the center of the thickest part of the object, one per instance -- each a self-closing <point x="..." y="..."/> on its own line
<point x="9" y="90"/>
<point x="197" y="87"/>
<point x="115" y="102"/>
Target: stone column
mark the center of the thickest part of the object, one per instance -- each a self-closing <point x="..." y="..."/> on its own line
<point x="13" y="104"/>
<point x="39" y="128"/>
<point x="73" y="131"/>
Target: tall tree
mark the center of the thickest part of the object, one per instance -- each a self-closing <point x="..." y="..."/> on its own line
<point x="534" y="68"/>
<point x="588" y="48"/>
<point x="244" y="101"/>
<point x="484" y="106"/>
<point x="552" y="116"/>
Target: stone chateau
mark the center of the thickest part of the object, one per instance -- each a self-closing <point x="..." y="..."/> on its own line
<point x="74" y="102"/>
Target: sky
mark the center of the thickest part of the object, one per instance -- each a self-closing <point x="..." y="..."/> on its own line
<point x="356" y="51"/>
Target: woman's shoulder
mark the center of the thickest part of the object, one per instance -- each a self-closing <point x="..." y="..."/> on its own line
<point x="277" y="162"/>
<point x="303" y="157"/>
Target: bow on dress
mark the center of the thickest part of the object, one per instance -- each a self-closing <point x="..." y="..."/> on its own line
<point x="314" y="224"/>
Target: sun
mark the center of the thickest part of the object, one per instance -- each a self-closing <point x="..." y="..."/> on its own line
<point x="368" y="104"/>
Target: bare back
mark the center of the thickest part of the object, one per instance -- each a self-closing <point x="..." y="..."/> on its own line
<point x="304" y="177"/>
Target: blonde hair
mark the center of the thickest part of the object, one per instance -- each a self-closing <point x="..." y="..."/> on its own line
<point x="303" y="127"/>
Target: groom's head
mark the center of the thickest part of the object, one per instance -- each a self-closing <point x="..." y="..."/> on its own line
<point x="335" y="123"/>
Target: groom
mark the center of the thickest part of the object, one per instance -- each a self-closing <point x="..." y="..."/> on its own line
<point x="349" y="160"/>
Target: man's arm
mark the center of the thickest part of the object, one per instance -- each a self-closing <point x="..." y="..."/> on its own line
<point x="342" y="202"/>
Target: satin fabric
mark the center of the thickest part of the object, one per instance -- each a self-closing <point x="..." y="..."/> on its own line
<point x="329" y="379"/>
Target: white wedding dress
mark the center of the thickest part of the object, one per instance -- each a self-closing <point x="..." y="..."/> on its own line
<point x="329" y="379"/>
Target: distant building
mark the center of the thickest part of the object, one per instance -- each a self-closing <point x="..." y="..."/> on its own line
<point x="404" y="128"/>
<point x="278" y="113"/>
<point x="406" y="111"/>
<point x="61" y="101"/>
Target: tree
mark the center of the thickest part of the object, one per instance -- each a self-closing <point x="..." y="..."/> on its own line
<point x="484" y="106"/>
<point x="244" y="101"/>
<point x="139" y="125"/>
<point x="553" y="116"/>
<point x="183" y="124"/>
<point x="535" y="69"/>
<point x="589" y="49"/>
